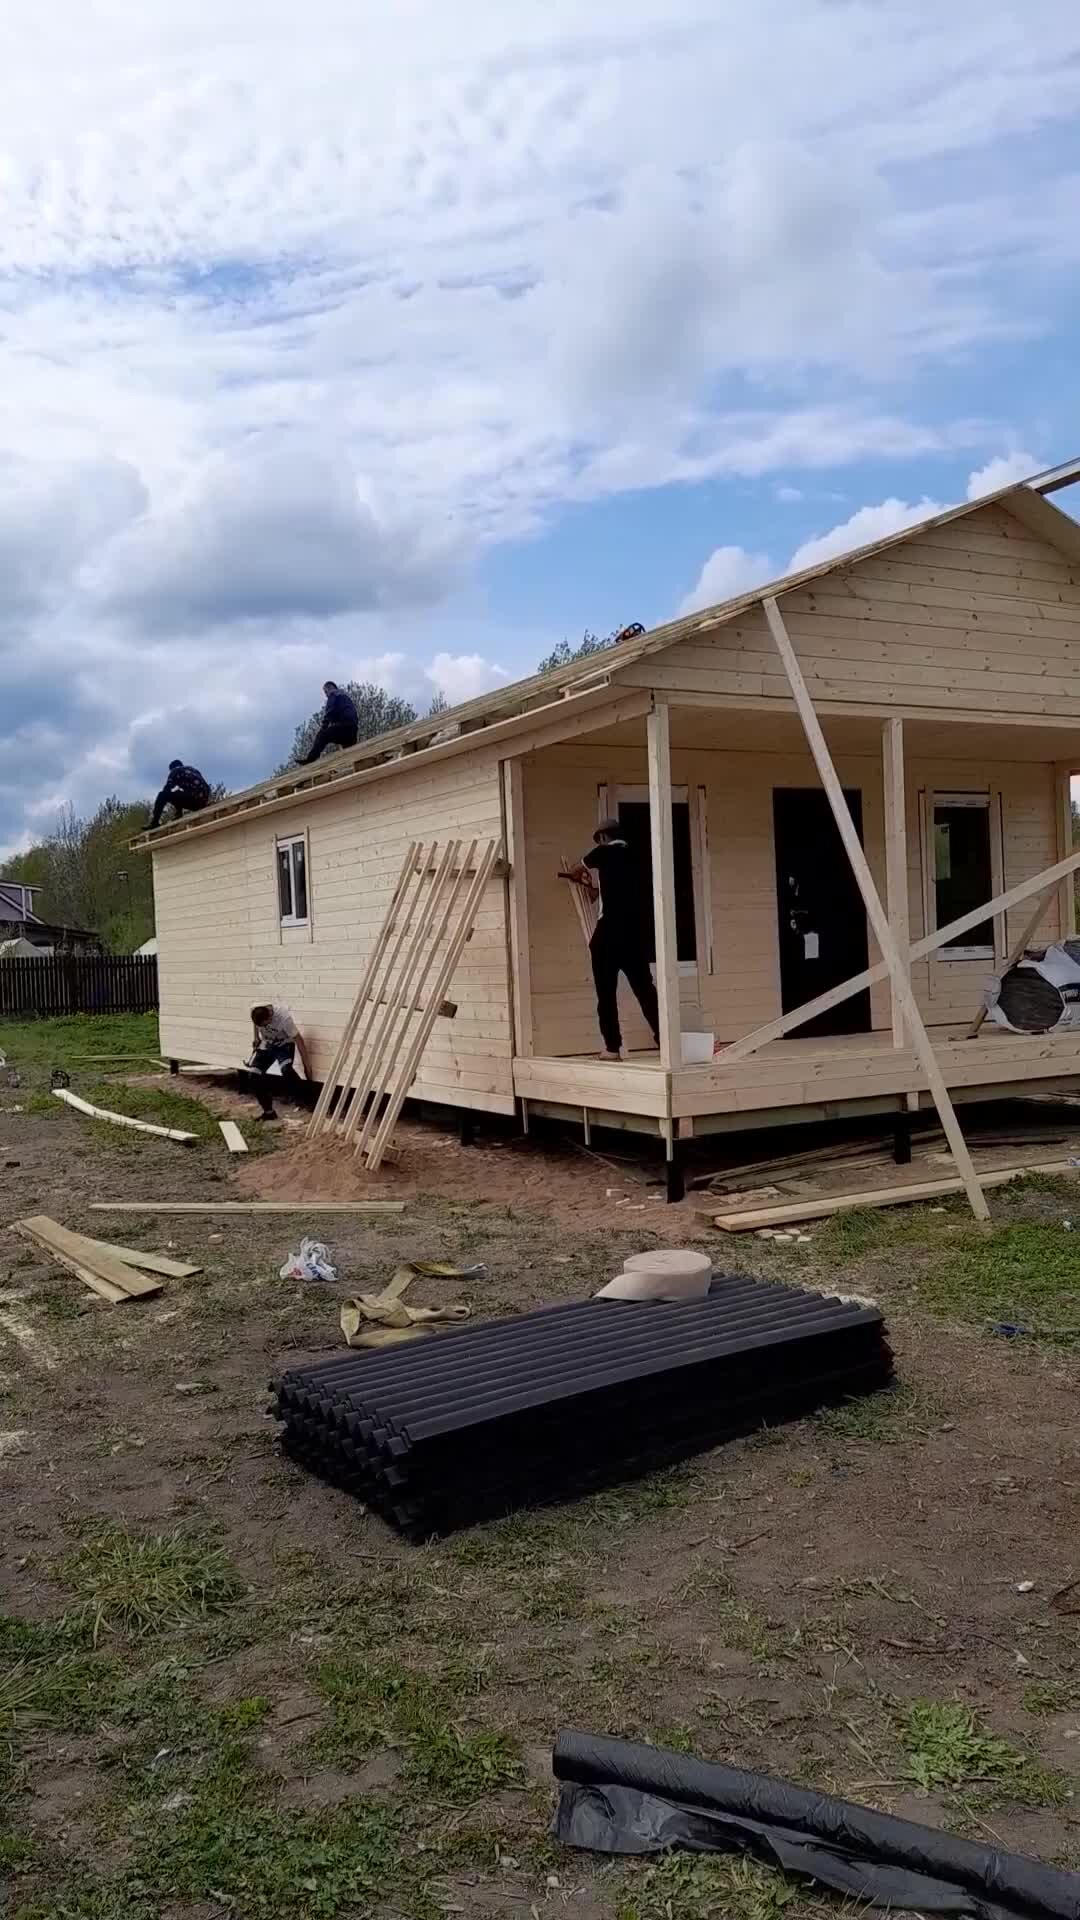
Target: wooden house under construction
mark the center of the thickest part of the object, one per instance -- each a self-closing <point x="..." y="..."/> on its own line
<point x="931" y="681"/>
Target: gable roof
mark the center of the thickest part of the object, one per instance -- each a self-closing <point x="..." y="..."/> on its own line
<point x="11" y="904"/>
<point x="541" y="695"/>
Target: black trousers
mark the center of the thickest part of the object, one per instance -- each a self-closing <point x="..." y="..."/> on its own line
<point x="179" y="804"/>
<point x="262" y="1060"/>
<point x="616" y="950"/>
<point x="337" y="734"/>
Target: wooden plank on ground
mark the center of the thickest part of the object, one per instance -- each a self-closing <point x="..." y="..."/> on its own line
<point x="86" y="1256"/>
<point x="150" y="1262"/>
<point x="232" y="1136"/>
<point x="247" y="1206"/>
<point x="900" y="1195"/>
<point x="122" y="1119"/>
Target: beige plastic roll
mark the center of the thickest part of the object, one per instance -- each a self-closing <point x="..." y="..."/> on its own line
<point x="667" y="1273"/>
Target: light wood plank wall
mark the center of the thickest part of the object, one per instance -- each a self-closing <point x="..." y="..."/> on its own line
<point x="221" y="947"/>
<point x="560" y="802"/>
<point x="978" y="615"/>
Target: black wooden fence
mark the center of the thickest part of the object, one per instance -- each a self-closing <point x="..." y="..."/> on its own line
<point x="79" y="983"/>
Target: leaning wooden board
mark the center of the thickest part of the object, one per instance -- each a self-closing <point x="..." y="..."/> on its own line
<point x="900" y="1195"/>
<point x="86" y="1256"/>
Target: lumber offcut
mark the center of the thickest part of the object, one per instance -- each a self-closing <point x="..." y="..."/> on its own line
<point x="87" y="1257"/>
<point x="232" y="1136"/>
<point x="789" y="1213"/>
<point x="123" y="1119"/>
<point x="247" y="1206"/>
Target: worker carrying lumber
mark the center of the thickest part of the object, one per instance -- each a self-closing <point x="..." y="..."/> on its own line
<point x="278" y="1040"/>
<point x="186" y="790"/>
<point x="339" y="725"/>
<point x="617" y="944"/>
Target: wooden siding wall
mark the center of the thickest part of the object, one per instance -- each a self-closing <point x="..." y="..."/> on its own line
<point x="560" y="804"/>
<point x="981" y="615"/>
<point x="221" y="948"/>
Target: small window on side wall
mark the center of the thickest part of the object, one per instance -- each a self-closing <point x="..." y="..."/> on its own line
<point x="962" y="868"/>
<point x="292" y="881"/>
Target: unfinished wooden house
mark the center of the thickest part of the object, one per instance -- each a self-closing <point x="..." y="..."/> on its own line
<point x="935" y="673"/>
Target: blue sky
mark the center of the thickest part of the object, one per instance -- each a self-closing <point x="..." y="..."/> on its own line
<point x="403" y="346"/>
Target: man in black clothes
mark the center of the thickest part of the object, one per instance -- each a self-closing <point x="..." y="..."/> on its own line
<point x="339" y="725"/>
<point x="185" y="791"/>
<point x="618" y="944"/>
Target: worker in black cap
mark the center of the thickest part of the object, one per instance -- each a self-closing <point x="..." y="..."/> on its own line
<point x="185" y="791"/>
<point x="618" y="943"/>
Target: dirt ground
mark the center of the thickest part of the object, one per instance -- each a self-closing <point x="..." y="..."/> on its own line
<point x="226" y="1689"/>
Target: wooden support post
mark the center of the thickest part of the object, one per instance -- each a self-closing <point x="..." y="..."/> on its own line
<point x="1064" y="821"/>
<point x="876" y="914"/>
<point x="663" y="883"/>
<point x="896" y="875"/>
<point x="517" y="906"/>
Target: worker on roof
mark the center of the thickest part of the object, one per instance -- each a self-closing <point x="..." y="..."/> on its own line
<point x="617" y="944"/>
<point x="339" y="725"/>
<point x="186" y="790"/>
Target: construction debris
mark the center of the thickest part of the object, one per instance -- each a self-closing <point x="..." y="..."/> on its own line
<point x="112" y="1272"/>
<point x="232" y="1136"/>
<point x="560" y="1401"/>
<point x="122" y="1119"/>
<point x="383" y="1319"/>
<point x="904" y="1193"/>
<point x="247" y="1206"/>
<point x="311" y="1262"/>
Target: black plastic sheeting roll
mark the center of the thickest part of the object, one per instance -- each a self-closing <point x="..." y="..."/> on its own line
<point x="469" y="1424"/>
<point x="620" y="1796"/>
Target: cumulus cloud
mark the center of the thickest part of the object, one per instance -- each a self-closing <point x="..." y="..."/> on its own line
<point x="1002" y="472"/>
<point x="863" y="527"/>
<point x="268" y="533"/>
<point x="298" y="328"/>
<point x="464" y="675"/>
<point x="728" y="571"/>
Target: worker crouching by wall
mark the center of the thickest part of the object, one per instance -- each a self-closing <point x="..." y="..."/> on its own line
<point x="278" y="1040"/>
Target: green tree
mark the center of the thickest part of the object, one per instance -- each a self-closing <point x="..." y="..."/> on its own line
<point x="376" y="710"/>
<point x="564" y="654"/>
<point x="89" y="877"/>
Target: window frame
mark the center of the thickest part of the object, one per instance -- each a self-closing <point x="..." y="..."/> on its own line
<point x="982" y="799"/>
<point x="288" y="843"/>
<point x="637" y="793"/>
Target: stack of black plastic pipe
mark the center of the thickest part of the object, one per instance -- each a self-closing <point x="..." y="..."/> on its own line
<point x="439" y="1433"/>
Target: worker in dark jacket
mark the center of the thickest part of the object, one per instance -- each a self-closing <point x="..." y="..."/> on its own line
<point x="618" y="944"/>
<point x="339" y="725"/>
<point x="185" y="791"/>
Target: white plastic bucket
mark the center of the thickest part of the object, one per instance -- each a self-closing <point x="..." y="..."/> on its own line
<point x="697" y="1048"/>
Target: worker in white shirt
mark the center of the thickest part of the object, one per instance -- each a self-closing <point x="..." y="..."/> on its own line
<point x="278" y="1040"/>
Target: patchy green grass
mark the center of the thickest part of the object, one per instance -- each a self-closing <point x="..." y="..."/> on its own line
<point x="69" y="1042"/>
<point x="1051" y="1696"/>
<point x="946" y="1746"/>
<point x="895" y="1413"/>
<point x="142" y="1584"/>
<point x="375" y="1705"/>
<point x="685" y="1887"/>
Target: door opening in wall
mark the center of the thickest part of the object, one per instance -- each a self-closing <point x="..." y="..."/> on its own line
<point x="633" y="816"/>
<point x="820" y="913"/>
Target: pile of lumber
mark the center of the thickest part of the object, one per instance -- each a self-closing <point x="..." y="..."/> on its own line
<point x="481" y="1420"/>
<point x="115" y="1273"/>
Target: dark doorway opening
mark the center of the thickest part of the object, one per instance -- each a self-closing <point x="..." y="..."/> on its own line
<point x="822" y="920"/>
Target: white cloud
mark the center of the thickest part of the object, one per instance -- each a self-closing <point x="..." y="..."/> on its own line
<point x="728" y="571"/>
<point x="303" y="313"/>
<point x="461" y="676"/>
<point x="1002" y="472"/>
<point x="864" y="526"/>
<point x="789" y="496"/>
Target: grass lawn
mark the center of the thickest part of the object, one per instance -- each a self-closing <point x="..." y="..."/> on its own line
<point x="226" y="1690"/>
<point x="96" y="1050"/>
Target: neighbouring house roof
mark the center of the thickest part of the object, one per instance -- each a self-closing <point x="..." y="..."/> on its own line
<point x="11" y="904"/>
<point x="540" y="695"/>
